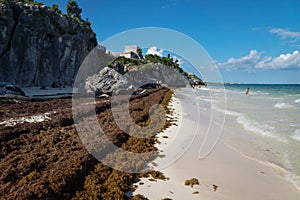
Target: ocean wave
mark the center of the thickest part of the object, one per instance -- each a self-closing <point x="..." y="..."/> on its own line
<point x="207" y="99"/>
<point x="296" y="135"/>
<point x="204" y="88"/>
<point x="297" y="101"/>
<point x="252" y="125"/>
<point x="215" y="90"/>
<point x="282" y="105"/>
<point x="227" y="112"/>
<point x="261" y="129"/>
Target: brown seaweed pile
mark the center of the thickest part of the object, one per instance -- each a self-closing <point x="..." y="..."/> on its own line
<point x="47" y="160"/>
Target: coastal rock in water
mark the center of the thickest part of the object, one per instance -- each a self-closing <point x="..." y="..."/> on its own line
<point x="38" y="45"/>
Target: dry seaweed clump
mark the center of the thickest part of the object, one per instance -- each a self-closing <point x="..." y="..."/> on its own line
<point x="154" y="174"/>
<point x="139" y="197"/>
<point x="191" y="182"/>
<point x="215" y="187"/>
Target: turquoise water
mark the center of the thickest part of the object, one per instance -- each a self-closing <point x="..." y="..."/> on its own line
<point x="270" y="112"/>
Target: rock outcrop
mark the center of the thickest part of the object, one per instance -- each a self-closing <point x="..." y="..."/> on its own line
<point x="109" y="80"/>
<point x="38" y="45"/>
<point x="7" y="88"/>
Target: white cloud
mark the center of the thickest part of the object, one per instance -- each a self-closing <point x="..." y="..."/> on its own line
<point x="180" y="61"/>
<point x="155" y="51"/>
<point x="245" y="62"/>
<point x="255" y="61"/>
<point x="284" y="33"/>
<point x="284" y="61"/>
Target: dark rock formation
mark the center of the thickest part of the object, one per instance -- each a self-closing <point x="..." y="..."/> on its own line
<point x="38" y="45"/>
<point x="7" y="88"/>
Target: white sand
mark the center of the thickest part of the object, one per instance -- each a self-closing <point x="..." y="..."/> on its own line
<point x="237" y="176"/>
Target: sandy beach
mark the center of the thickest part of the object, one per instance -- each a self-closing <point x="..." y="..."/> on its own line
<point x="225" y="173"/>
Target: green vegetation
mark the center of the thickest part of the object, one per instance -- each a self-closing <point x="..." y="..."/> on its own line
<point x="55" y="8"/>
<point x="194" y="77"/>
<point x="140" y="52"/>
<point x="150" y="58"/>
<point x="168" y="61"/>
<point x="163" y="60"/>
<point x="73" y="9"/>
<point x="126" y="61"/>
<point x="74" y="12"/>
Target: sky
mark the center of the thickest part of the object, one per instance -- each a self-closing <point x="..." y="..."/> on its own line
<point x="250" y="41"/>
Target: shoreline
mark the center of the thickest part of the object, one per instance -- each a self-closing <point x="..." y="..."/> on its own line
<point x="237" y="175"/>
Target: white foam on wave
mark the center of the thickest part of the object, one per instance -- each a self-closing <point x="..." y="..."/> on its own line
<point x="297" y="101"/>
<point x="252" y="125"/>
<point x="296" y="135"/>
<point x="206" y="99"/>
<point x="214" y="90"/>
<point x="227" y="112"/>
<point x="290" y="177"/>
<point x="261" y="129"/>
<point x="282" y="105"/>
<point x="28" y="119"/>
<point x="204" y="88"/>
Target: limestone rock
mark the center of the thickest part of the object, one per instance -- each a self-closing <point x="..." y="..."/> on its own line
<point x="110" y="81"/>
<point x="38" y="45"/>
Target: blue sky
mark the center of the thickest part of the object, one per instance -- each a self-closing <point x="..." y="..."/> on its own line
<point x="251" y="41"/>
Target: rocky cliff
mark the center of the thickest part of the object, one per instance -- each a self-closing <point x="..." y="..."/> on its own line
<point x="38" y="45"/>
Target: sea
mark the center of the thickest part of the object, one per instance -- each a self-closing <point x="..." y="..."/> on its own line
<point x="269" y="120"/>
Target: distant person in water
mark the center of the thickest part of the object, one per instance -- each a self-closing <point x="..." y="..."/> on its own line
<point x="247" y="91"/>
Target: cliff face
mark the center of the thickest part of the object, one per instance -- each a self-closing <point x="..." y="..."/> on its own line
<point x="38" y="45"/>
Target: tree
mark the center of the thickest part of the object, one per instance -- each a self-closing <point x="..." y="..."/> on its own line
<point x="56" y="9"/>
<point x="140" y="52"/>
<point x="73" y="9"/>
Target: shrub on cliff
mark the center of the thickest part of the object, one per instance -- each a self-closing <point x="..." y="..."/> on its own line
<point x="56" y="9"/>
<point x="73" y="9"/>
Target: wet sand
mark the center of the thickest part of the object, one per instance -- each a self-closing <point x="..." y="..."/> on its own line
<point x="225" y="174"/>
